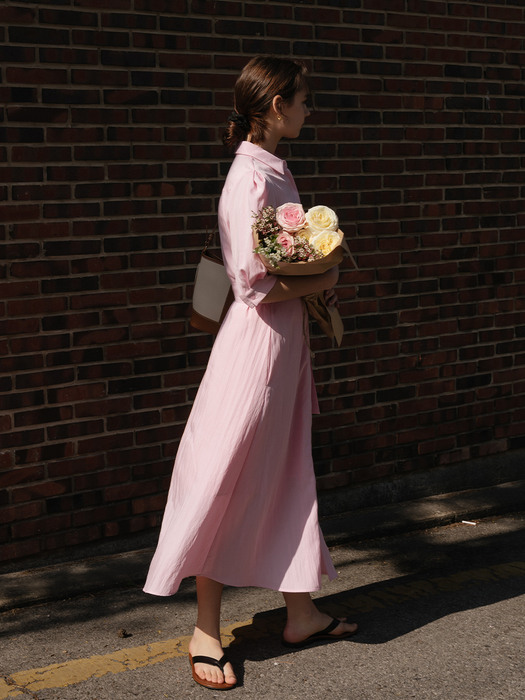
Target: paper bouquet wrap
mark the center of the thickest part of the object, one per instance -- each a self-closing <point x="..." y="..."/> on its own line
<point x="292" y="243"/>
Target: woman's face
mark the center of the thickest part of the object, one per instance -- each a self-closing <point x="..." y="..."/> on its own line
<point x="295" y="113"/>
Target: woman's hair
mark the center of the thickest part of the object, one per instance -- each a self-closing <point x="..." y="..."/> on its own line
<point x="261" y="80"/>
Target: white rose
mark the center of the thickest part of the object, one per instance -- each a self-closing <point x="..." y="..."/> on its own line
<point x="326" y="241"/>
<point x="322" y="218"/>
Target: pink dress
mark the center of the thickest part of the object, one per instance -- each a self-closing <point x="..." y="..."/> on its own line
<point x="242" y="506"/>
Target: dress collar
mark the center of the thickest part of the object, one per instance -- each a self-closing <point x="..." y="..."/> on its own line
<point x="250" y="149"/>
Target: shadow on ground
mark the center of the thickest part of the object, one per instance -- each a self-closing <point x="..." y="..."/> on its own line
<point x="437" y="578"/>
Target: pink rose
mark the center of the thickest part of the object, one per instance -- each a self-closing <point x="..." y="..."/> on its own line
<point x="286" y="241"/>
<point x="290" y="217"/>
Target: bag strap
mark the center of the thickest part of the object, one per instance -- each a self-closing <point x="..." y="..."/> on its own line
<point x="209" y="239"/>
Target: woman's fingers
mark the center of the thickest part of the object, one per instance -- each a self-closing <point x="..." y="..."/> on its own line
<point x="330" y="297"/>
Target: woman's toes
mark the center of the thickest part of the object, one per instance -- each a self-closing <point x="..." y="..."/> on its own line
<point x="214" y="674"/>
<point x="208" y="673"/>
<point x="345" y="628"/>
<point x="229" y="675"/>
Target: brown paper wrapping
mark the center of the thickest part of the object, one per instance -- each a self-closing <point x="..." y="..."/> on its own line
<point x="327" y="317"/>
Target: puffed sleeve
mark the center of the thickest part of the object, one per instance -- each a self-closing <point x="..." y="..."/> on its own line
<point x="242" y="197"/>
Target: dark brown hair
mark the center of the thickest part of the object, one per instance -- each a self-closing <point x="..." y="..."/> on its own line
<point x="261" y="80"/>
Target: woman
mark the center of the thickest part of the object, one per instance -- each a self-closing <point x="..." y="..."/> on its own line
<point x="242" y="507"/>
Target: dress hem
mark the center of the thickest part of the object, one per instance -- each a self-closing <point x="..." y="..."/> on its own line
<point x="317" y="587"/>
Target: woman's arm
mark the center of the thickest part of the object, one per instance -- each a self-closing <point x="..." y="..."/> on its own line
<point x="294" y="287"/>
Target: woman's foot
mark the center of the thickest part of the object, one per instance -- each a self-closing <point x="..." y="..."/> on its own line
<point x="300" y="629"/>
<point x="203" y="644"/>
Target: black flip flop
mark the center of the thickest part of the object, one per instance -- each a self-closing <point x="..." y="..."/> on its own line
<point x="211" y="662"/>
<point x="323" y="635"/>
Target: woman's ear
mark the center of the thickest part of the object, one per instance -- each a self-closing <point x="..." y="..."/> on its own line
<point x="277" y="103"/>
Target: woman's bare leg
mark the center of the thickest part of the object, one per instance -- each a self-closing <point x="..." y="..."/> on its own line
<point x="304" y="618"/>
<point x="206" y="638"/>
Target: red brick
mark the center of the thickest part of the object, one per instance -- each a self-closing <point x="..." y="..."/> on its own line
<point x="19" y="550"/>
<point x="102" y="300"/>
<point x="19" y="213"/>
<point x="104" y="443"/>
<point x="42" y="490"/>
<point x="72" y="538"/>
<point x="32" y="528"/>
<point x="104" y="407"/>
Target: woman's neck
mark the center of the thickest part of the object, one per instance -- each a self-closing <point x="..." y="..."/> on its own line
<point x="268" y="144"/>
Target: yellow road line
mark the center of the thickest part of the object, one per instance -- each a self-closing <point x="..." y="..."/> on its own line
<point x="81" y="670"/>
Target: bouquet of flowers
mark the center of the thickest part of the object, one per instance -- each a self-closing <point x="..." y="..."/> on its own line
<point x="292" y="242"/>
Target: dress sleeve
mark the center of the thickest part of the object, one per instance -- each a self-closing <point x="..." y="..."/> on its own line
<point x="239" y="202"/>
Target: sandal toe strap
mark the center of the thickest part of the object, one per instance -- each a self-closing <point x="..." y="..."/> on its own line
<point x="220" y="663"/>
<point x="331" y="627"/>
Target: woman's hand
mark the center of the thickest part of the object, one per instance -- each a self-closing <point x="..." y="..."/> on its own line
<point x="330" y="297"/>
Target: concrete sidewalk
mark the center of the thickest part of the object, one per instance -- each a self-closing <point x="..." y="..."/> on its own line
<point x="96" y="569"/>
<point x="440" y="613"/>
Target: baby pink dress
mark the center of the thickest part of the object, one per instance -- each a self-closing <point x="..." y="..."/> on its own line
<point x="242" y="506"/>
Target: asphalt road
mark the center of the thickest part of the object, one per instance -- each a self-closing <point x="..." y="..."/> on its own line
<point x="440" y="614"/>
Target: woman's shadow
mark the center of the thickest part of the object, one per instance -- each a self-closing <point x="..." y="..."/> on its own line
<point x="440" y="579"/>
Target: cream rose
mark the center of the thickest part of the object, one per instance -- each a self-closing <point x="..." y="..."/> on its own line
<point x="321" y="218"/>
<point x="290" y="217"/>
<point x="326" y="241"/>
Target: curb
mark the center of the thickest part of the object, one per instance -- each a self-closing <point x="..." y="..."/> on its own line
<point x="424" y="513"/>
<point x="71" y="579"/>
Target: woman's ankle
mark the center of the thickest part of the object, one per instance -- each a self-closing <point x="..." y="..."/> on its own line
<point x="201" y="636"/>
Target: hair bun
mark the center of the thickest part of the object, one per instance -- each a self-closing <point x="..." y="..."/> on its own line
<point x="239" y="120"/>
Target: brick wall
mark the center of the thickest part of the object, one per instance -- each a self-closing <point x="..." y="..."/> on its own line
<point x="112" y="112"/>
